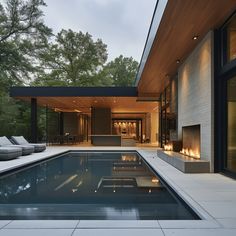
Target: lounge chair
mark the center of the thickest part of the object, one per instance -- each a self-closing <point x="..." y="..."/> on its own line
<point x="20" y="140"/>
<point x="8" y="153"/>
<point x="26" y="149"/>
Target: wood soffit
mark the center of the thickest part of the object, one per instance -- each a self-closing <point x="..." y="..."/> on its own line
<point x="84" y="104"/>
<point x="182" y="19"/>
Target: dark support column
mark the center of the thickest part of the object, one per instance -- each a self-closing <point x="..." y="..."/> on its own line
<point x="34" y="135"/>
<point x="61" y="128"/>
<point x="141" y="130"/>
<point x="46" y="124"/>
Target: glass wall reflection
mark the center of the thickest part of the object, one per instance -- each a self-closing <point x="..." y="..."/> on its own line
<point x="231" y="39"/>
<point x="231" y="139"/>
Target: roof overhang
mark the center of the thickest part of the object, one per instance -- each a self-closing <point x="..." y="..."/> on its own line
<point x="170" y="37"/>
<point x="81" y="99"/>
<point x="73" y="91"/>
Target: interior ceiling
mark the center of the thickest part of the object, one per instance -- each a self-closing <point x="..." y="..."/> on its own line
<point x="182" y="19"/>
<point x="84" y="104"/>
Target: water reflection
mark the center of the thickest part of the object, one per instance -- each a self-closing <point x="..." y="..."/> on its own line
<point x="89" y="186"/>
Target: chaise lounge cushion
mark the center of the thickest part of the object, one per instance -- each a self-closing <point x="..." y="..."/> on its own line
<point x="26" y="149"/>
<point x="8" y="153"/>
<point x="20" y="140"/>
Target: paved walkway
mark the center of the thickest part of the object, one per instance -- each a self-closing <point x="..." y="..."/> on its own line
<point x="213" y="196"/>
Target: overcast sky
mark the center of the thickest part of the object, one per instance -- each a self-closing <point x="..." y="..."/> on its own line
<point x="121" y="24"/>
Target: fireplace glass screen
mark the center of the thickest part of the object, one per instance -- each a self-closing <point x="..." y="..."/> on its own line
<point x="191" y="141"/>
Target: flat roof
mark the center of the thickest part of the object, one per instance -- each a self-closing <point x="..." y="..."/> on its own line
<point x="170" y="38"/>
<point x="73" y="91"/>
<point x="81" y="99"/>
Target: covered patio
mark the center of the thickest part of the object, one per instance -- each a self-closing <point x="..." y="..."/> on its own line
<point x="80" y="114"/>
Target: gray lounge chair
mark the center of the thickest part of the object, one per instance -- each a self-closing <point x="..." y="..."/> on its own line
<point x="8" y="153"/>
<point x="26" y="149"/>
<point x="20" y="140"/>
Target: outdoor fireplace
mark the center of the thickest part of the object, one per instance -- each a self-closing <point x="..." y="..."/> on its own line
<point x="191" y="141"/>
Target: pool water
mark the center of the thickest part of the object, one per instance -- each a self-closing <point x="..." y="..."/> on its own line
<point x="90" y="185"/>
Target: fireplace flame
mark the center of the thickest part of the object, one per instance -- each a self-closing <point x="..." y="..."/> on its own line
<point x="190" y="152"/>
<point x="168" y="147"/>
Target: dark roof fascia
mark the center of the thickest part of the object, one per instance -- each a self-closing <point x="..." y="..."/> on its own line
<point x="155" y="22"/>
<point x="73" y="92"/>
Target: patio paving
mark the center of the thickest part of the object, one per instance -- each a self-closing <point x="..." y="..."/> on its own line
<point x="212" y="196"/>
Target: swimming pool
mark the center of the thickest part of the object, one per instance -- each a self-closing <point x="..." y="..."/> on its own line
<point x="90" y="185"/>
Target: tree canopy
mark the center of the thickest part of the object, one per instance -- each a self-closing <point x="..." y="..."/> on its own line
<point x="30" y="54"/>
<point x="22" y="36"/>
<point x="121" y="71"/>
<point x="73" y="59"/>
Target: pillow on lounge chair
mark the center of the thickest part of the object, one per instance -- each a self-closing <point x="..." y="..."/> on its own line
<point x="26" y="149"/>
<point x="20" y="140"/>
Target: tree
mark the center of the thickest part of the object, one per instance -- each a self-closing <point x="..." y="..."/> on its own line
<point x="22" y="36"/>
<point x="74" y="59"/>
<point x="15" y="116"/>
<point x="122" y="71"/>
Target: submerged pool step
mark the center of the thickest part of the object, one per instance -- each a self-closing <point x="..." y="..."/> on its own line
<point x="113" y="182"/>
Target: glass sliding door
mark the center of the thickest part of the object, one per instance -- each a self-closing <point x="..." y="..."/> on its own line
<point x="231" y="125"/>
<point x="168" y="114"/>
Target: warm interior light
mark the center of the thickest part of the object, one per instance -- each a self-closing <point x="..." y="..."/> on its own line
<point x="155" y="180"/>
<point x="190" y="153"/>
<point x="178" y="61"/>
<point x="168" y="147"/>
<point x="77" y="110"/>
<point x="128" y="158"/>
<point x="195" y="37"/>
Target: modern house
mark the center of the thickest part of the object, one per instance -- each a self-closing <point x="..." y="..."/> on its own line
<point x="184" y="94"/>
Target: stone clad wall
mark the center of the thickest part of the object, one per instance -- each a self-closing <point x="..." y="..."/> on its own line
<point x="195" y="95"/>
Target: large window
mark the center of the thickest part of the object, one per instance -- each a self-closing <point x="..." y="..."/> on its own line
<point x="231" y="125"/>
<point x="225" y="98"/>
<point x="168" y="114"/>
<point x="229" y="41"/>
<point x="231" y="29"/>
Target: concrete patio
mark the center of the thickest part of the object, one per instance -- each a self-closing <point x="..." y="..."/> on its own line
<point x="212" y="196"/>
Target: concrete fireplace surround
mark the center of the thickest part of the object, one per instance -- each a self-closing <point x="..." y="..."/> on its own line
<point x="184" y="163"/>
<point x="196" y="96"/>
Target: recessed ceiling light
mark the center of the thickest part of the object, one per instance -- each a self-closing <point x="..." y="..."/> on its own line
<point x="195" y="37"/>
<point x="76" y="110"/>
<point x="178" y="61"/>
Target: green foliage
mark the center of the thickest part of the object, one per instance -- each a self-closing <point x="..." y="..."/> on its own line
<point x="22" y="36"/>
<point x="74" y="59"/>
<point x="121" y="71"/>
<point x="15" y="117"/>
<point x="27" y="57"/>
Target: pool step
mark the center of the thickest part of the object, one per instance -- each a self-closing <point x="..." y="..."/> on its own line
<point x="114" y="182"/>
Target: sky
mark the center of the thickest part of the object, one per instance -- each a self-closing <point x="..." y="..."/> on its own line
<point x="121" y="24"/>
